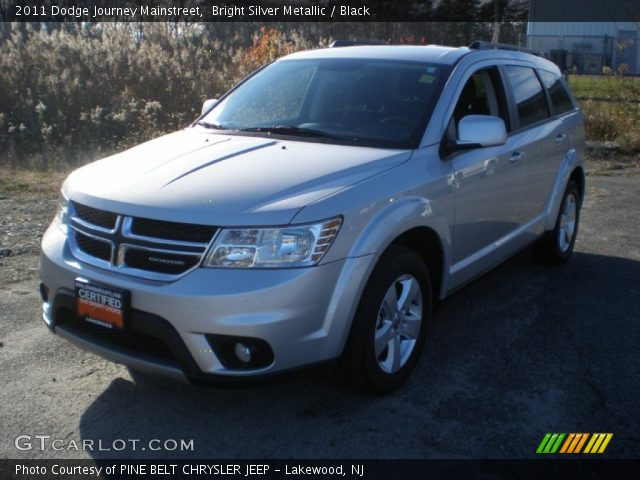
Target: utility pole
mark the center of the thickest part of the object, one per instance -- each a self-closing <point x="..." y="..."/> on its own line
<point x="496" y="22"/>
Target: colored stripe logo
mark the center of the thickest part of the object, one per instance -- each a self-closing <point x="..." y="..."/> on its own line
<point x="574" y="443"/>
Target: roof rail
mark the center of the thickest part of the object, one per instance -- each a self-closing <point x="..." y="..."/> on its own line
<point x="353" y="43"/>
<point x="480" y="45"/>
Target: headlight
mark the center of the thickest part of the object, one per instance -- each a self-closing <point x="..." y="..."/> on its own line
<point x="62" y="213"/>
<point x="293" y="246"/>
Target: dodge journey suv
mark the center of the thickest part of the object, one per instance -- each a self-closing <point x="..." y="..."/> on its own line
<point x="317" y="211"/>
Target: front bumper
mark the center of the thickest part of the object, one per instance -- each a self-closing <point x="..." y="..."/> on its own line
<point x="303" y="314"/>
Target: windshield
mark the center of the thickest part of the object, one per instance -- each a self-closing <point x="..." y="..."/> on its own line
<point x="364" y="102"/>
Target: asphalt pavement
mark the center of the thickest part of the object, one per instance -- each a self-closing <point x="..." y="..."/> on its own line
<point x="522" y="351"/>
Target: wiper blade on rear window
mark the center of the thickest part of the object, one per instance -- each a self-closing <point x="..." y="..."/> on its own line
<point x="293" y="130"/>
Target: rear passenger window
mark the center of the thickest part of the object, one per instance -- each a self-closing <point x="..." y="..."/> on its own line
<point x="529" y="95"/>
<point x="560" y="98"/>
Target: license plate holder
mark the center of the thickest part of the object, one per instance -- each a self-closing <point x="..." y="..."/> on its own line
<point x="102" y="305"/>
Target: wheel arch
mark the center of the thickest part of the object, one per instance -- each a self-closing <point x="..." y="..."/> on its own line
<point x="578" y="176"/>
<point x="570" y="169"/>
<point x="427" y="243"/>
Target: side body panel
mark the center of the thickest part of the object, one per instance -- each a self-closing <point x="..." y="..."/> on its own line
<point x="495" y="217"/>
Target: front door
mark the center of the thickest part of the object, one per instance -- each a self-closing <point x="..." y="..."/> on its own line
<point x="488" y="182"/>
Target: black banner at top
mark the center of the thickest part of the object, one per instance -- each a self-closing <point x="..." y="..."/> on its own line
<point x="320" y="11"/>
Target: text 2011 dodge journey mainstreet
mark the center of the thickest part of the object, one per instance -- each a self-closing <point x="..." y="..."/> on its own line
<point x="317" y="211"/>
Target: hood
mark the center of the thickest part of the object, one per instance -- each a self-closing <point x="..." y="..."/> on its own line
<point x="199" y="177"/>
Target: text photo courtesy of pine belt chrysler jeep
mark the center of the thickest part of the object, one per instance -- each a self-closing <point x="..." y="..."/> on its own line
<point x="316" y="212"/>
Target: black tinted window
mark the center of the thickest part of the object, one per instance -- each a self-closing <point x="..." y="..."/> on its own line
<point x="482" y="95"/>
<point x="529" y="95"/>
<point x="557" y="91"/>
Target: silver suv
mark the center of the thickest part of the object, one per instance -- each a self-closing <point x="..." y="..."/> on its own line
<point x="315" y="212"/>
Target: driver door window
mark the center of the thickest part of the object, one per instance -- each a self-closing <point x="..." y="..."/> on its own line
<point x="481" y="95"/>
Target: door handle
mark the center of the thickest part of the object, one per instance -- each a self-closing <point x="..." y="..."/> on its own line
<point x="455" y="179"/>
<point x="516" y="156"/>
<point x="560" y="137"/>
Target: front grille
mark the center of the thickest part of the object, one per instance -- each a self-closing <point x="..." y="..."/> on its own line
<point x="182" y="232"/>
<point x="159" y="261"/>
<point x="153" y="249"/>
<point x="91" y="215"/>
<point x="93" y="247"/>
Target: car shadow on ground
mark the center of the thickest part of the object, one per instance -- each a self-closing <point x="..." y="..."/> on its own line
<point x="523" y="350"/>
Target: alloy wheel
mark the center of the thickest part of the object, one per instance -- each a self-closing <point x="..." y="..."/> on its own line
<point x="398" y="325"/>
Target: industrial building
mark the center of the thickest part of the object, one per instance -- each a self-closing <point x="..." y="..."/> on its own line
<point x="588" y="34"/>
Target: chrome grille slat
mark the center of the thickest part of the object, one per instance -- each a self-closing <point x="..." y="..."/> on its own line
<point x="144" y="256"/>
<point x="93" y="216"/>
<point x="94" y="246"/>
<point x="127" y="230"/>
<point x="171" y="263"/>
<point x="83" y="223"/>
<point x="172" y="231"/>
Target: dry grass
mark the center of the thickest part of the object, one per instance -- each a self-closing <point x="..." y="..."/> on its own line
<point x="612" y="109"/>
<point x="36" y="181"/>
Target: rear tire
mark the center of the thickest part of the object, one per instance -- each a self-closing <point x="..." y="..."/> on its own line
<point x="556" y="246"/>
<point x="388" y="330"/>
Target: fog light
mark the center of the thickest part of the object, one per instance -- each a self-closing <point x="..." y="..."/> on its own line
<point x="243" y="352"/>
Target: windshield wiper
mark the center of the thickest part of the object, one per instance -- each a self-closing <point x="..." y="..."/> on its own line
<point x="214" y="126"/>
<point x="293" y="130"/>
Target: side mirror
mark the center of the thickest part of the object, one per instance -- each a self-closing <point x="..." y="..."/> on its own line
<point x="208" y="104"/>
<point x="475" y="131"/>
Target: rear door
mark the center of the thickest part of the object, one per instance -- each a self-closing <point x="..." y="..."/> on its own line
<point x="563" y="123"/>
<point x="532" y="129"/>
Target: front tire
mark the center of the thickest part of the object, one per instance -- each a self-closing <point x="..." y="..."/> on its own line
<point x="388" y="332"/>
<point x="556" y="246"/>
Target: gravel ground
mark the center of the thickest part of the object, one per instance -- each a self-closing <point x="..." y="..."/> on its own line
<point x="522" y="351"/>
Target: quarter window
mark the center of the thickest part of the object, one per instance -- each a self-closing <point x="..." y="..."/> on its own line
<point x="528" y="93"/>
<point x="560" y="98"/>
